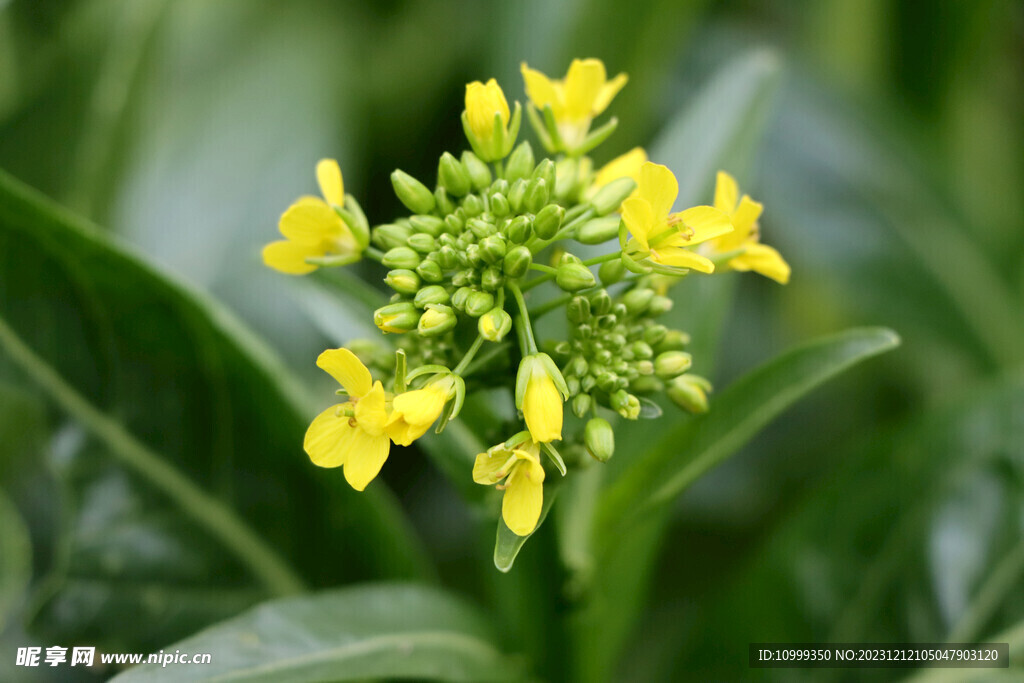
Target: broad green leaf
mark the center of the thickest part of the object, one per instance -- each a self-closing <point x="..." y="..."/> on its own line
<point x="15" y="558"/>
<point x="508" y="544"/>
<point x="365" y="632"/>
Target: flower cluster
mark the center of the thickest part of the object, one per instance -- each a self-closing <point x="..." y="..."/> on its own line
<point x="474" y="250"/>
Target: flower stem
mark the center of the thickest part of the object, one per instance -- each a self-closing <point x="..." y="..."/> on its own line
<point x="524" y="316"/>
<point x="374" y="253"/>
<point x="603" y="259"/>
<point x="468" y="358"/>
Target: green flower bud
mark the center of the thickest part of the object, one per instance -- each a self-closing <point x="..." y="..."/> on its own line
<point x="619" y="309"/>
<point x="641" y="350"/>
<point x="599" y="439"/>
<point x="536" y="197"/>
<point x="690" y="392"/>
<point x="430" y="271"/>
<point x="615" y="341"/>
<point x="520" y="163"/>
<point x="585" y="331"/>
<point x="398" y="317"/>
<point x="460" y="296"/>
<point x="454" y="223"/>
<point x="472" y="206"/>
<point x="499" y="205"/>
<point x="565" y="177"/>
<point x="562" y="348"/>
<point x="403" y="281"/>
<point x="444" y="203"/>
<point x="519" y="230"/>
<point x="401" y="257"/>
<point x="492" y="248"/>
<point x="654" y="334"/>
<point x="463" y="277"/>
<point x="637" y="300"/>
<point x="606" y="380"/>
<point x="572" y="277"/>
<point x="648" y="384"/>
<point x="577" y="366"/>
<point x="611" y="272"/>
<point x="548" y="221"/>
<point x="610" y="197"/>
<point x="517" y="262"/>
<point x="671" y="363"/>
<point x="448" y="258"/>
<point x="625" y="404"/>
<point x="389" y="236"/>
<point x="578" y="310"/>
<point x="494" y="324"/>
<point x="587" y="383"/>
<point x="673" y="340"/>
<point x="581" y="403"/>
<point x="453" y="176"/>
<point x="598" y="230"/>
<point x="607" y="321"/>
<point x="431" y="225"/>
<point x="644" y="367"/>
<point x="492" y="279"/>
<point x="600" y="302"/>
<point x="478" y="172"/>
<point x="499" y="186"/>
<point x="545" y="171"/>
<point x="659" y="305"/>
<point x="572" y="383"/>
<point x="433" y="294"/>
<point x="411" y="192"/>
<point x="422" y="242"/>
<point x="437" y="319"/>
<point x="516" y="194"/>
<point x="479" y="303"/>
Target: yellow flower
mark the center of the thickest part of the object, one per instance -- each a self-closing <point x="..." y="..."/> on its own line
<point x="313" y="229"/>
<point x="524" y="483"/>
<point x="414" y="411"/>
<point x="625" y="166"/>
<point x="484" y="103"/>
<point x="350" y="434"/>
<point x="584" y="93"/>
<point x="744" y="213"/>
<point x="540" y="392"/>
<point x="664" y="236"/>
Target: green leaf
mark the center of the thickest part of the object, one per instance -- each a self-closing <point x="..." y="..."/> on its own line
<point x="15" y="558"/>
<point x="507" y="544"/>
<point x="371" y="631"/>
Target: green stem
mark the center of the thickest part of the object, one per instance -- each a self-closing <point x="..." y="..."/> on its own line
<point x="218" y="519"/>
<point x="524" y="315"/>
<point x="374" y="253"/>
<point x="544" y="269"/>
<point x="603" y="259"/>
<point x="467" y="359"/>
<point x="527" y="286"/>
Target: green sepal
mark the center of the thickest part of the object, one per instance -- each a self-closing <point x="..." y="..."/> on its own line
<point x="426" y="370"/>
<point x="540" y="129"/>
<point x="598" y="136"/>
<point x="400" y="368"/>
<point x="555" y="457"/>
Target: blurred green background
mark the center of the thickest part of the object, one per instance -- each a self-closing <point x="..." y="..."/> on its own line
<point x="889" y="157"/>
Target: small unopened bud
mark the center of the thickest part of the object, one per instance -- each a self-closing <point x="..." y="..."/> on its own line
<point x="625" y="404"/>
<point x="672" y="341"/>
<point x="479" y="303"/>
<point x="492" y="279"/>
<point x="600" y="302"/>
<point x="520" y="163"/>
<point x="479" y="174"/>
<point x="577" y="367"/>
<point x="672" y="363"/>
<point x="422" y="242"/>
<point x="611" y="272"/>
<point x="565" y="177"/>
<point x="519" y="230"/>
<point x="499" y="205"/>
<point x="403" y="281"/>
<point x="548" y="221"/>
<point x="453" y="176"/>
<point x="598" y="230"/>
<point x="431" y="225"/>
<point x="460" y="296"/>
<point x="492" y="248"/>
<point x="397" y="317"/>
<point x="494" y="324"/>
<point x="401" y="257"/>
<point x="517" y="262"/>
<point x="443" y="202"/>
<point x="536" y="197"/>
<point x="430" y="271"/>
<point x="411" y="192"/>
<point x="610" y="197"/>
<point x="599" y="439"/>
<point x="516" y="194"/>
<point x="389" y="236"/>
<point x="637" y="300"/>
<point x="641" y="350"/>
<point x="578" y="310"/>
<point x="654" y="334"/>
<point x="606" y="380"/>
<point x="580" y="402"/>
<point x="572" y="277"/>
<point x="546" y="171"/>
<point x="647" y="384"/>
<point x="454" y="223"/>
<point x="690" y="392"/>
<point x="436" y="320"/>
<point x="659" y="305"/>
<point x="447" y="257"/>
<point x="433" y="294"/>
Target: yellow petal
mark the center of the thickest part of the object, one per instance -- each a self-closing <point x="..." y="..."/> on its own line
<point x="726" y="192"/>
<point x="366" y="456"/>
<point x="328" y="175"/>
<point x="765" y="260"/>
<point x="493" y="465"/>
<point x="310" y="221"/>
<point x="542" y="407"/>
<point x="639" y="219"/>
<point x="289" y="257"/>
<point x="524" y="497"/>
<point x="326" y="437"/>
<point x="483" y="101"/>
<point x="746" y="215"/>
<point x="583" y="84"/>
<point x="423" y="406"/>
<point x="624" y="166"/>
<point x="608" y="92"/>
<point x="701" y="223"/>
<point x="683" y="258"/>
<point x="659" y="187"/>
<point x="370" y="411"/>
<point x="540" y="89"/>
<point x="342" y="365"/>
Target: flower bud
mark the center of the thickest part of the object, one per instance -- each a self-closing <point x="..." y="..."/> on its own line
<point x="422" y="242"/>
<point x="689" y="392"/>
<point x="453" y="176"/>
<point x="516" y="194"/>
<point x="536" y="197"/>
<point x="454" y="223"/>
<point x="499" y="186"/>
<point x="520" y="163"/>
<point x="479" y="303"/>
<point x="401" y="257"/>
<point x="519" y="230"/>
<point x="659" y="305"/>
<point x="479" y="174"/>
<point x="673" y="340"/>
<point x="641" y="350"/>
<point x="548" y="221"/>
<point x="403" y="281"/>
<point x="437" y="319"/>
<point x="430" y="271"/>
<point x="648" y="384"/>
<point x="598" y="230"/>
<point x="578" y="310"/>
<point x="577" y="367"/>
<point x="565" y="177"/>
<point x="494" y="324"/>
<point x="411" y="192"/>
<point x="671" y="363"/>
<point x="442" y="201"/>
<point x="600" y="302"/>
<point x="540" y="391"/>
<point x="599" y="439"/>
<point x="492" y="279"/>
<point x="573" y="383"/>
<point x="517" y="262"/>
<point x="637" y="300"/>
<point x="499" y="205"/>
<point x="389" y="236"/>
<point x="545" y="171"/>
<point x="472" y="206"/>
<point x="606" y="380"/>
<point x="432" y="294"/>
<point x="572" y="277"/>
<point x="447" y="257"/>
<point x="625" y="404"/>
<point x="431" y="225"/>
<point x="611" y="272"/>
<point x="397" y="317"/>
<point x="610" y="197"/>
<point x="460" y="296"/>
<point x="587" y="383"/>
<point x="581" y="403"/>
<point x="492" y="248"/>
